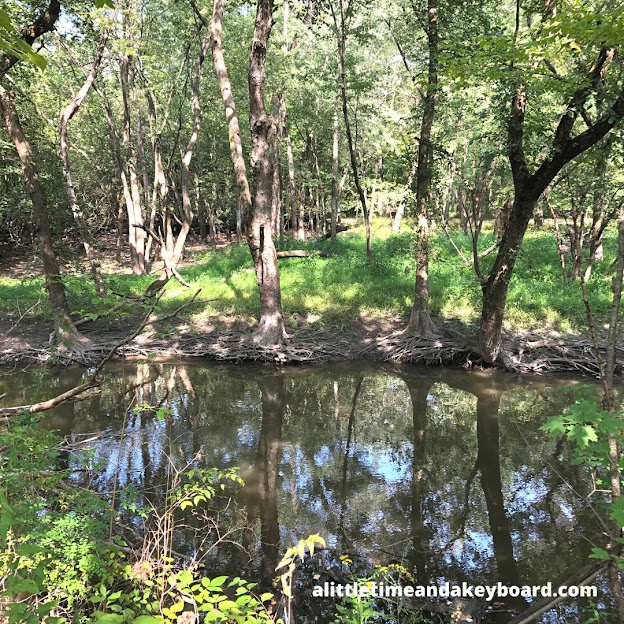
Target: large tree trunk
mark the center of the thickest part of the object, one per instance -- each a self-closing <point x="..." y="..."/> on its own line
<point x="496" y="287"/>
<point x="70" y="110"/>
<point x="67" y="336"/>
<point x="529" y="186"/>
<point x="271" y="330"/>
<point x="420" y="322"/>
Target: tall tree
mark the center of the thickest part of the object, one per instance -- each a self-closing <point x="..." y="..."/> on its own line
<point x="67" y="337"/>
<point x="66" y="115"/>
<point x="257" y="214"/>
<point x="341" y="20"/>
<point x="530" y="184"/>
<point x="420" y="322"/>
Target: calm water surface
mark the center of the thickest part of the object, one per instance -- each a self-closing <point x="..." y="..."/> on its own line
<point x="445" y="471"/>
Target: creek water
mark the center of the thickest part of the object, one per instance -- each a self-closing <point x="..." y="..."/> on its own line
<point x="445" y="472"/>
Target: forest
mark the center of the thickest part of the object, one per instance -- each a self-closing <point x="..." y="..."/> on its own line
<point x="301" y="182"/>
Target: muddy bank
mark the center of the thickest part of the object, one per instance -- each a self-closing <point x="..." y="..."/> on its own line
<point x="28" y="342"/>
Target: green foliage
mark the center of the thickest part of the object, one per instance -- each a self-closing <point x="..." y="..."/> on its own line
<point x="56" y="557"/>
<point x="590" y="428"/>
<point x="331" y="292"/>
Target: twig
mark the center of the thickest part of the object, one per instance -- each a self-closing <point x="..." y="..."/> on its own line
<point x="93" y="381"/>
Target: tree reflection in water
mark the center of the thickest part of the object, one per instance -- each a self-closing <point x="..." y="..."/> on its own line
<point x="380" y="462"/>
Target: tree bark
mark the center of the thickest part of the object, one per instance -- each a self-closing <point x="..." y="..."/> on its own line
<point x="335" y="170"/>
<point x="271" y="329"/>
<point x="398" y="217"/>
<point x="136" y="235"/>
<point x="529" y="186"/>
<point x="292" y="191"/>
<point x="70" y="110"/>
<point x="341" y="37"/>
<point x="420" y="322"/>
<point x="67" y="337"/>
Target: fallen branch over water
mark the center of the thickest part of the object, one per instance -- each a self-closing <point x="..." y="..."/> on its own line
<point x="584" y="576"/>
<point x="93" y="380"/>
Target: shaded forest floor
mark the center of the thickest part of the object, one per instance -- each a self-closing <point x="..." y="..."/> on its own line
<point x="338" y="307"/>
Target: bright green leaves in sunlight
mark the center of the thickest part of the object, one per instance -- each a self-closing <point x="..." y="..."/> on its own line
<point x="289" y="560"/>
<point x="590" y="428"/>
<point x="11" y="42"/>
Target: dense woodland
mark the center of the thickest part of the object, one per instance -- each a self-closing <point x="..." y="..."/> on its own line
<point x="144" y="126"/>
<point x="444" y="176"/>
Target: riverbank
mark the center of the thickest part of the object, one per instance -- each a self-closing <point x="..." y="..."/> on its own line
<point x="367" y="339"/>
<point x="338" y="305"/>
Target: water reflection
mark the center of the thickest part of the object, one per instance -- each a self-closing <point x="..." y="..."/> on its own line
<point x="383" y="463"/>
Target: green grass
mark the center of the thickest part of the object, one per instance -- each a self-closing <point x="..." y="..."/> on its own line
<point x="333" y="292"/>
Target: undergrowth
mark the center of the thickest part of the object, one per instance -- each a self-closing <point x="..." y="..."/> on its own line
<point x="335" y="291"/>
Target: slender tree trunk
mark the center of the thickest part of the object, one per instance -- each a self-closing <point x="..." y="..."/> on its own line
<point x="276" y="201"/>
<point x="70" y="110"/>
<point x="136" y="235"/>
<point x="271" y="329"/>
<point x="420" y="322"/>
<point x="398" y="217"/>
<point x="598" y="208"/>
<point x="335" y="172"/>
<point x="292" y="191"/>
<point x="171" y="251"/>
<point x="66" y="335"/>
<point x="341" y="35"/>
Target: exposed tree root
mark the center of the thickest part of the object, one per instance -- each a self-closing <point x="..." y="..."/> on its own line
<point x="525" y="352"/>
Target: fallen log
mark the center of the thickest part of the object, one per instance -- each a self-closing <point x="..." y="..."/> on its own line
<point x="302" y="253"/>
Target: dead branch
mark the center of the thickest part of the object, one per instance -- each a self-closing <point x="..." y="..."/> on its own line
<point x="93" y="381"/>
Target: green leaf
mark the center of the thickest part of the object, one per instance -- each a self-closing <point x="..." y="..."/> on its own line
<point x="185" y="578"/>
<point x="26" y="585"/>
<point x="218" y="581"/>
<point x="5" y="22"/>
<point x="599" y="553"/>
<point x="583" y="435"/>
<point x="110" y="618"/>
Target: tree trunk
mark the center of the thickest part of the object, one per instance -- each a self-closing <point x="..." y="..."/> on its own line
<point x="341" y="36"/>
<point x="70" y="110"/>
<point x="497" y="284"/>
<point x="529" y="186"/>
<point x="292" y="191"/>
<point x="398" y="217"/>
<point x="171" y="252"/>
<point x="67" y="337"/>
<point x="271" y="329"/>
<point x="335" y="170"/>
<point x="136" y="235"/>
<point x="420" y="322"/>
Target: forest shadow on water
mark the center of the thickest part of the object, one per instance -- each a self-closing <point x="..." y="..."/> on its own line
<point x="443" y="475"/>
